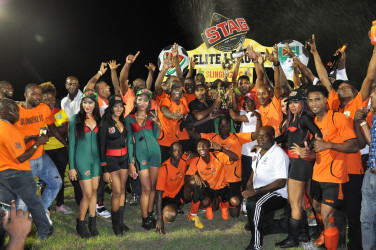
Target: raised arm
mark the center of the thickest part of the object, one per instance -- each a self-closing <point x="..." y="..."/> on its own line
<point x="258" y="68"/>
<point x="320" y="68"/>
<point x="125" y="72"/>
<point x="149" y="80"/>
<point x="370" y="77"/>
<point x="91" y="83"/>
<point x="236" y="69"/>
<point x="360" y="124"/>
<point x="192" y="65"/>
<point x="167" y="63"/>
<point x="175" y="55"/>
<point x="114" y="77"/>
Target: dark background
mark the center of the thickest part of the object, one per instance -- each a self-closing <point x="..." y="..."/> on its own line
<point x="50" y="40"/>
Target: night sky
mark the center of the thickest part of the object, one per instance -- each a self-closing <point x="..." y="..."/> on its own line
<point x="50" y="40"/>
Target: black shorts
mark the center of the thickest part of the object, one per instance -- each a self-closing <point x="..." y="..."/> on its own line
<point x="300" y="170"/>
<point x="327" y="193"/>
<point x="236" y="189"/>
<point x="115" y="163"/>
<point x="177" y="200"/>
<point x="224" y="194"/>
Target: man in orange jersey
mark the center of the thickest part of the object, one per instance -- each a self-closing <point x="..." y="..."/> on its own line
<point x="209" y="172"/>
<point x="349" y="102"/>
<point x="330" y="169"/>
<point x="173" y="189"/>
<point x="34" y="116"/>
<point x="16" y="179"/>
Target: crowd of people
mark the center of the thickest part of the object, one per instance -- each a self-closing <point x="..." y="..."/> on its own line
<point x="263" y="146"/>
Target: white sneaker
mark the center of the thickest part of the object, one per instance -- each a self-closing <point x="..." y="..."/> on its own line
<point x="244" y="206"/>
<point x="48" y="217"/>
<point x="64" y="209"/>
<point x="103" y="212"/>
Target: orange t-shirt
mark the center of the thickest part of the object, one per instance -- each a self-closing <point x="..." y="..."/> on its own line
<point x="190" y="97"/>
<point x="30" y="123"/>
<point x="331" y="166"/>
<point x="12" y="145"/>
<point x="233" y="143"/>
<point x="271" y="115"/>
<point x="369" y="118"/>
<point x="170" y="128"/>
<point x="171" y="179"/>
<point x="354" y="160"/>
<point x="128" y="99"/>
<point x="213" y="173"/>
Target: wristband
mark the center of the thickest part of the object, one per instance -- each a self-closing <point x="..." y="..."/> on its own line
<point x="363" y="123"/>
<point x="276" y="64"/>
<point x="99" y="72"/>
<point x="221" y="150"/>
<point x="35" y="147"/>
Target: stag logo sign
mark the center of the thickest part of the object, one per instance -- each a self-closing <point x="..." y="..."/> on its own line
<point x="225" y="34"/>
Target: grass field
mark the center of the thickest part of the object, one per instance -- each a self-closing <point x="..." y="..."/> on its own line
<point x="181" y="234"/>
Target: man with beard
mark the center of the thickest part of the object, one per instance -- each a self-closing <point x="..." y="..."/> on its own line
<point x="6" y="90"/>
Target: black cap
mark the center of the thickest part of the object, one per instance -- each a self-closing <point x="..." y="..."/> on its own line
<point x="115" y="99"/>
<point x="296" y="95"/>
<point x="336" y="84"/>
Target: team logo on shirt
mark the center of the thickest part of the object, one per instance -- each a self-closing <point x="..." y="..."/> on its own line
<point x="347" y="113"/>
<point x="59" y="116"/>
<point x="18" y="145"/>
<point x="111" y="130"/>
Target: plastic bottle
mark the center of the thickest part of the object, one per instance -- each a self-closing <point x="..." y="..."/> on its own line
<point x="373" y="33"/>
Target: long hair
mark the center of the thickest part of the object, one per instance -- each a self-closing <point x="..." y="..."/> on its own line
<point x="290" y="117"/>
<point x="81" y="117"/>
<point x="107" y="116"/>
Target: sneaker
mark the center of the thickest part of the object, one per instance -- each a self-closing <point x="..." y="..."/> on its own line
<point x="244" y="206"/>
<point x="180" y="210"/>
<point x="48" y="217"/>
<point x="64" y="209"/>
<point x="196" y="220"/>
<point x="134" y="200"/>
<point x="103" y="212"/>
<point x="320" y="240"/>
<point x="209" y="212"/>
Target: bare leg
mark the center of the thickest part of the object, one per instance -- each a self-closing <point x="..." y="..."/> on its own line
<point x="87" y="192"/>
<point x="296" y="192"/>
<point x="93" y="200"/>
<point x="153" y="171"/>
<point x="146" y="189"/>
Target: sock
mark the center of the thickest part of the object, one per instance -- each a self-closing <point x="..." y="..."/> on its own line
<point x="194" y="208"/>
<point x="331" y="238"/>
<point x="223" y="205"/>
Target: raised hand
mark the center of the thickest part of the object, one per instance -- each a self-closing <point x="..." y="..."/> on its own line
<point x="295" y="63"/>
<point x="275" y="52"/>
<point x="151" y="67"/>
<point x="289" y="51"/>
<point x="112" y="64"/>
<point x="103" y="68"/>
<point x="192" y="62"/>
<point x="215" y="146"/>
<point x="320" y="144"/>
<point x="131" y="58"/>
<point x="251" y="52"/>
<point x="167" y="63"/>
<point x="312" y="44"/>
<point x="174" y="50"/>
<point x="360" y="114"/>
<point x="155" y="119"/>
<point x="260" y="59"/>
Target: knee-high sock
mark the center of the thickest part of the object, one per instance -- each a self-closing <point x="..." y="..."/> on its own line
<point x="331" y="238"/>
<point x="194" y="207"/>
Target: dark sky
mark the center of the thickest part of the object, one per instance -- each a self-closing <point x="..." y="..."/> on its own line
<point x="50" y="40"/>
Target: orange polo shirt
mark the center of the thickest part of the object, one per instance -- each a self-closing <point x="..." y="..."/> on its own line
<point x="234" y="143"/>
<point x="332" y="166"/>
<point x="213" y="173"/>
<point x="12" y="145"/>
<point x="30" y="123"/>
<point x="170" y="128"/>
<point x="171" y="179"/>
<point x="354" y="165"/>
<point x="271" y="115"/>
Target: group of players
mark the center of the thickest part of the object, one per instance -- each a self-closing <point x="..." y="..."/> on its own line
<point x="185" y="149"/>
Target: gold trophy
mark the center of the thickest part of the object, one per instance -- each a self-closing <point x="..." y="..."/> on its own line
<point x="222" y="89"/>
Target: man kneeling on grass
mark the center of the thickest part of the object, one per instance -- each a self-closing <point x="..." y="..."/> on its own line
<point x="173" y="188"/>
<point x="208" y="173"/>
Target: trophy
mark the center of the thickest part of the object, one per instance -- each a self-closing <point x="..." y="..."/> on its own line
<point x="227" y="66"/>
<point x="223" y="87"/>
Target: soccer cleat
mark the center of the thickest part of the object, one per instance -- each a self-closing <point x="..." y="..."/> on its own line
<point x="320" y="240"/>
<point x="209" y="212"/>
<point x="64" y="209"/>
<point x="196" y="220"/>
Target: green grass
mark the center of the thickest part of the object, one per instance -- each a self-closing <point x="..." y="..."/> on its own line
<point x="181" y="234"/>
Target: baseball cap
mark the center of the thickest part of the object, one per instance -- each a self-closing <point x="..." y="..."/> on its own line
<point x="296" y="95"/>
<point x="144" y="91"/>
<point x="90" y="94"/>
<point x="115" y="99"/>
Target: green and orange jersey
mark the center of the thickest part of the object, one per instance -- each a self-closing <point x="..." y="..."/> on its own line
<point x="354" y="159"/>
<point x="234" y="143"/>
<point x="331" y="165"/>
<point x="213" y="172"/>
<point x="30" y="123"/>
<point x="12" y="145"/>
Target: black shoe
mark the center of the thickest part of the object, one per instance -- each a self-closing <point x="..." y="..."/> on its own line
<point x="121" y="215"/>
<point x="146" y="223"/>
<point x="304" y="229"/>
<point x="134" y="200"/>
<point x="247" y="227"/>
<point x="118" y="230"/>
<point x="292" y="238"/>
<point x="153" y="221"/>
<point x="93" y="226"/>
<point x="180" y="210"/>
<point x="82" y="230"/>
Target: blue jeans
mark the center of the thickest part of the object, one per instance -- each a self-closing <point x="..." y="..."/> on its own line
<point x="44" y="168"/>
<point x="368" y="211"/>
<point x="17" y="183"/>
